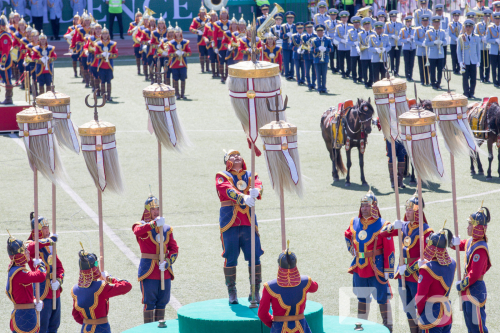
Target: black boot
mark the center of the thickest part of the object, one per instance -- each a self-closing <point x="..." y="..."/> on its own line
<point x="363" y="310"/>
<point x="97" y="84"/>
<point x="8" y="94"/>
<point x="230" y="274"/>
<point x="108" y="91"/>
<point x="74" y="69"/>
<point x="221" y="71"/>
<point x="391" y="174"/>
<point x="148" y="316"/>
<point x="413" y="326"/>
<point x="207" y="64"/>
<point x="82" y="73"/>
<point x="86" y="77"/>
<point x="138" y="63"/>
<point x="176" y="87"/>
<point x="214" y="72"/>
<point x="258" y="281"/>
<point x="159" y="314"/>
<point x="386" y="314"/>
<point x="183" y="89"/>
<point x="145" y="70"/>
<point x="103" y="90"/>
<point x="202" y="63"/>
<point x="41" y="89"/>
<point x="401" y="171"/>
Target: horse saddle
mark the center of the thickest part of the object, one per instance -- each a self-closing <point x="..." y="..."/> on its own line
<point x="477" y="117"/>
<point x="338" y="124"/>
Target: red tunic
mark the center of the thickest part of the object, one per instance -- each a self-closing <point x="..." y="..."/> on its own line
<point x="175" y="45"/>
<point x="478" y="264"/>
<point x="278" y="57"/>
<point x="99" y="49"/>
<point x="129" y="32"/>
<point x="196" y="26"/>
<point x="208" y="34"/>
<point x="6" y="45"/>
<point x="45" y="244"/>
<point x="79" y="39"/>
<point x="218" y="33"/>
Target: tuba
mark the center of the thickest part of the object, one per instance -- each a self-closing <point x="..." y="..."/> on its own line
<point x="363" y="12"/>
<point x="269" y="22"/>
<point x="215" y="5"/>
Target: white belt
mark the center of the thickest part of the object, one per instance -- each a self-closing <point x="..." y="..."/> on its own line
<point x="422" y="136"/>
<point x="27" y="133"/>
<point x="166" y="108"/>
<point x="99" y="147"/>
<point x="393" y="119"/>
<point x="461" y="118"/>
<point x="67" y="115"/>
<point x="284" y="147"/>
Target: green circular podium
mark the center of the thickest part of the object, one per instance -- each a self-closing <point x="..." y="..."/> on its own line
<point x="218" y="316"/>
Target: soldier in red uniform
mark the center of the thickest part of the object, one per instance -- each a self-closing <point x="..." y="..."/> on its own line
<point x="18" y="46"/>
<point x="6" y="60"/>
<point x="134" y="26"/>
<point x="147" y="233"/>
<point x="434" y="284"/>
<point x="162" y="53"/>
<point x="44" y="56"/>
<point x="105" y="52"/>
<point x="231" y="37"/>
<point x="411" y="255"/>
<point x="89" y="48"/>
<point x="19" y="287"/>
<point x="208" y="35"/>
<point x="74" y="50"/>
<point x="49" y="319"/>
<point x="145" y="37"/>
<point x="373" y="263"/>
<point x="272" y="53"/>
<point x="157" y="38"/>
<point x="477" y="262"/>
<point x="287" y="296"/>
<point x="197" y="28"/>
<point x="236" y="198"/>
<point x="178" y="51"/>
<point x="78" y="41"/>
<point x="245" y="48"/>
<point x="220" y="48"/>
<point x="92" y="293"/>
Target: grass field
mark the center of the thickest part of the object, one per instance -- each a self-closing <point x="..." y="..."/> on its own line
<point x="315" y="224"/>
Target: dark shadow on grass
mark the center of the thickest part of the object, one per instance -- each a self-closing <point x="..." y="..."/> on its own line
<point x="482" y="178"/>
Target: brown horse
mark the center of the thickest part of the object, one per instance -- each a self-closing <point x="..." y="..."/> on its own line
<point x="489" y="132"/>
<point x="356" y="124"/>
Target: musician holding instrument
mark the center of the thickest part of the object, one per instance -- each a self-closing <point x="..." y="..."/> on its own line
<point x="74" y="51"/>
<point x="162" y="53"/>
<point x="468" y="52"/>
<point x="444" y="25"/>
<point x="245" y="44"/>
<point x="435" y="38"/>
<point x="454" y="29"/>
<point x="146" y="47"/>
<point x="379" y="47"/>
<point x="90" y="48"/>
<point x="321" y="49"/>
<point x="220" y="48"/>
<point x="157" y="37"/>
<point x="422" y="59"/>
<point x="307" y="40"/>
<point x="19" y="45"/>
<point x="493" y="38"/>
<point x="392" y="29"/>
<point x="419" y="13"/>
<point x="354" y="45"/>
<point x="287" y="30"/>
<point x="482" y="31"/>
<point x="44" y="56"/>
<point x="264" y="9"/>
<point x="231" y="38"/>
<point x="331" y="25"/>
<point x="298" y="53"/>
<point x="78" y="41"/>
<point x="322" y="16"/>
<point x="6" y="60"/>
<point x="196" y="28"/>
<point x="341" y="33"/>
<point x="208" y="35"/>
<point x="134" y="26"/>
<point x="105" y="51"/>
<point x="364" y="53"/>
<point x="407" y="38"/>
<point x="277" y="30"/>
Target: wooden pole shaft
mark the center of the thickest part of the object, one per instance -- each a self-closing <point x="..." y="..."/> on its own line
<point x="101" y="229"/>
<point x="282" y="212"/>
<point x="253" y="303"/>
<point x="398" y="208"/>
<point x="54" y="251"/>
<point x="420" y="216"/>
<point x="160" y="195"/>
<point x="455" y="221"/>
<point x="36" y="231"/>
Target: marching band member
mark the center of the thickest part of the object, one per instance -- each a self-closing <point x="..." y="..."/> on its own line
<point x="419" y="13"/>
<point x="453" y="31"/>
<point x="480" y="6"/>
<point x="137" y="46"/>
<point x="147" y="233"/>
<point x="92" y="293"/>
<point x="298" y="53"/>
<point x="18" y="35"/>
<point x="208" y="35"/>
<point x="78" y="41"/>
<point x="477" y="263"/>
<point x="434" y="284"/>
<point x="147" y="47"/>
<point x="49" y="319"/>
<point x="277" y="30"/>
<point x="271" y="51"/>
<point x="245" y="48"/>
<point x="321" y="17"/>
<point x="236" y="198"/>
<point x="321" y="48"/>
<point x="364" y="53"/>
<point x="373" y="262"/>
<point x="74" y="50"/>
<point x="496" y="6"/>
<point x="220" y="49"/>
<point x="341" y="33"/>
<point x="22" y="36"/>
<point x="493" y="38"/>
<point x="105" y="51"/>
<point x="331" y="26"/>
<point x="29" y="63"/>
<point x="444" y="25"/>
<point x="288" y="29"/>
<point x="93" y="61"/>
<point x="468" y="57"/>
<point x="382" y="17"/>
<point x="264" y="9"/>
<point x="392" y="29"/>
<point x="307" y="39"/>
<point x="379" y="47"/>
<point x="20" y="289"/>
<point x="407" y="38"/>
<point x="178" y="51"/>
<point x="353" y="42"/>
<point x="435" y="38"/>
<point x="6" y="60"/>
<point x="422" y="54"/>
<point x="482" y="31"/>
<point x="163" y="53"/>
<point x="197" y="28"/>
<point x="232" y="39"/>
<point x="157" y="37"/>
<point x="44" y="56"/>
<point x="143" y="25"/>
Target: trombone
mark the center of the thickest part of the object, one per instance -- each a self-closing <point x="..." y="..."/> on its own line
<point x="462" y="42"/>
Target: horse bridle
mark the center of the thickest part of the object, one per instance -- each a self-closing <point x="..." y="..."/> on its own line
<point x="361" y="121"/>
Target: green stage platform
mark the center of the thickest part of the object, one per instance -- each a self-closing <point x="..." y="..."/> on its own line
<point x="218" y="316"/>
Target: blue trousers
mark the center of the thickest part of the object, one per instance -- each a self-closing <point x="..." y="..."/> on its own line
<point x="102" y="328"/>
<point x="44" y="79"/>
<point x="152" y="295"/>
<point x="365" y="288"/>
<point x="222" y="56"/>
<point x="179" y="73"/>
<point x="136" y="52"/>
<point x="236" y="239"/>
<point x="105" y="75"/>
<point x="444" y="329"/>
<point x="93" y="71"/>
<point x="6" y="76"/>
<point x="408" y="298"/>
<point x="310" y="78"/>
<point x="400" y="151"/>
<point x="300" y="69"/>
<point x="321" y="69"/>
<point x="203" y="50"/>
<point x="50" y="319"/>
<point x="475" y="317"/>
<point x="212" y="55"/>
<point x="288" y="63"/>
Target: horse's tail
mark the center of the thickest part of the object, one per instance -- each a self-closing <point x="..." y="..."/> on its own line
<point x="339" y="163"/>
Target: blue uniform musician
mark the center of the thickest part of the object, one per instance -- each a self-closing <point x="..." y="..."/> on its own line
<point x="353" y="41"/>
<point x="236" y="198"/>
<point x="287" y="296"/>
<point x="422" y="54"/>
<point x="477" y="262"/>
<point x="151" y="267"/>
<point x="379" y="48"/>
<point x="44" y="56"/>
<point x="493" y="39"/>
<point x="435" y="283"/>
<point x="373" y="262"/>
<point x="264" y="9"/>
<point x="392" y="29"/>
<point x="277" y="30"/>
<point x="482" y="31"/>
<point x="50" y="319"/>
<point x="6" y="60"/>
<point x="92" y="293"/>
<point x="19" y="288"/>
<point x="364" y="52"/>
<point x="454" y="29"/>
<point x="331" y="26"/>
<point x="343" y="49"/>
<point x="287" y="31"/>
<point x="419" y="13"/>
<point x="435" y="39"/>
<point x="321" y="47"/>
<point x="298" y="54"/>
<point x="439" y="8"/>
<point x="307" y="40"/>
<point x="407" y="38"/>
<point x="322" y="16"/>
<point x="468" y="53"/>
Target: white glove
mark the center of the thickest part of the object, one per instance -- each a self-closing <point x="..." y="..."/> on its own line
<point x="254" y="192"/>
<point x="104" y="275"/>
<point x="437" y="42"/>
<point x="386" y="275"/>
<point x="54" y="238"/>
<point x="393" y="36"/>
<point x="164" y="53"/>
<point x="37" y="262"/>
<point x="343" y="41"/>
<point x="456" y="240"/>
<point x="162" y="266"/>
<point x="478" y="64"/>
<point x="144" y="49"/>
<point x="402" y="270"/>
<point x="180" y="53"/>
<point x="462" y="65"/>
<point x="55" y="285"/>
<point x="421" y="262"/>
<point x="322" y="48"/>
<point x="300" y="51"/>
<point x="200" y="33"/>
<point x="289" y="34"/>
<point x="398" y="224"/>
<point x="356" y="43"/>
<point x="86" y="53"/>
<point x="38" y="306"/>
<point x="160" y="221"/>
<point x="230" y="48"/>
<point x="379" y="50"/>
<point x="213" y="44"/>
<point x="358" y="49"/>
<point x="215" y="50"/>
<point x="249" y="201"/>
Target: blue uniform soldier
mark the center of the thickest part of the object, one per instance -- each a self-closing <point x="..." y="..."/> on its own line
<point x="392" y="29"/>
<point x="493" y="39"/>
<point x="321" y="47"/>
<point x="19" y="7"/>
<point x="322" y="16"/>
<point x="422" y="59"/>
<point x="78" y="6"/>
<point x="419" y="13"/>
<point x="287" y="30"/>
<point x="468" y="51"/>
<point x="331" y="26"/>
<point x="407" y="38"/>
<point x="382" y="16"/>
<point x="307" y="39"/>
<point x="354" y="44"/>
<point x="444" y="25"/>
<point x="482" y="31"/>
<point x="379" y="47"/>
<point x="277" y="31"/>
<point x="364" y="52"/>
<point x="298" y="53"/>
<point x="265" y="12"/>
<point x="454" y="29"/>
<point x="341" y="36"/>
<point x="435" y="38"/>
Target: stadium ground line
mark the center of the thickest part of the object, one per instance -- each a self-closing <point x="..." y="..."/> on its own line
<point x="174" y="302"/>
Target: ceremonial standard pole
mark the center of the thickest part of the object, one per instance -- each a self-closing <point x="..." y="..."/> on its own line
<point x="54" y="250"/>
<point x="35" y="231"/>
